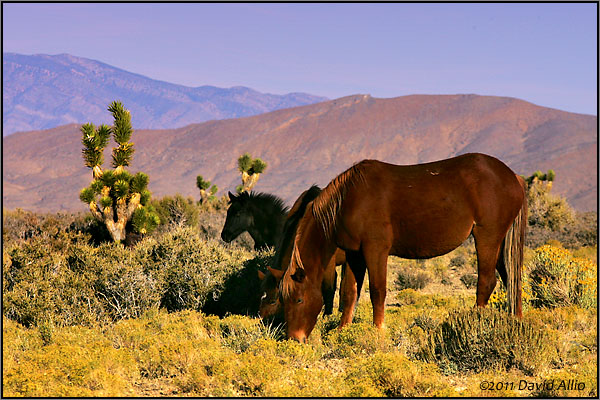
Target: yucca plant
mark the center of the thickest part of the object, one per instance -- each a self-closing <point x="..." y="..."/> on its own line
<point x="538" y="177"/>
<point x="116" y="197"/>
<point x="250" y="169"/>
<point x="205" y="192"/>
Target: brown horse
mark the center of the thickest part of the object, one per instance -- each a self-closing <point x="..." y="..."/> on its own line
<point x="416" y="211"/>
<point x="270" y="304"/>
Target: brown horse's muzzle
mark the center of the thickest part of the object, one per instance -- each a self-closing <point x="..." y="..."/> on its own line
<point x="297" y="336"/>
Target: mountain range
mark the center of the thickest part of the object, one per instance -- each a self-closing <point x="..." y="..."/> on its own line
<point x="43" y="170"/>
<point x="45" y="91"/>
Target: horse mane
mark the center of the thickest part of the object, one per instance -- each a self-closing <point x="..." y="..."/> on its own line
<point x="293" y="218"/>
<point x="297" y="211"/>
<point x="287" y="282"/>
<point x="291" y="224"/>
<point x="265" y="201"/>
<point x="327" y="205"/>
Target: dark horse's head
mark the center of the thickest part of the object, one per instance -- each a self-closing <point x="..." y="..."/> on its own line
<point x="239" y="217"/>
<point x="261" y="214"/>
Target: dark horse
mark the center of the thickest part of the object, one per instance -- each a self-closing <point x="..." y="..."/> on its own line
<point x="416" y="211"/>
<point x="270" y="305"/>
<point x="261" y="214"/>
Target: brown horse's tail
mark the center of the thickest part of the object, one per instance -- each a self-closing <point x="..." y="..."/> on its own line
<point x="513" y="256"/>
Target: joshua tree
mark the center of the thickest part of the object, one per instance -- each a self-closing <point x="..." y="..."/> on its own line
<point x="205" y="193"/>
<point x="250" y="169"/>
<point x="122" y="197"/>
<point x="538" y="177"/>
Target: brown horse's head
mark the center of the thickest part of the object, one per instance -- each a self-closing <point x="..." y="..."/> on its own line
<point x="301" y="284"/>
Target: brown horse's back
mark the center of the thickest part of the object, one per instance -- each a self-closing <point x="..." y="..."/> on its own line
<point x="427" y="210"/>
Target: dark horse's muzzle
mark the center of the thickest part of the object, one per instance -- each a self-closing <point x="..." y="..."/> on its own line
<point x="226" y="236"/>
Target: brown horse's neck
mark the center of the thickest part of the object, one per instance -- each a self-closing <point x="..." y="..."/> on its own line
<point x="314" y="247"/>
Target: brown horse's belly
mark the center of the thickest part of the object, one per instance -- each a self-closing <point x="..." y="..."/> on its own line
<point x="430" y="240"/>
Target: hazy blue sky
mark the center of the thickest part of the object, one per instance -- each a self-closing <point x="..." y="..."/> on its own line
<point x="542" y="53"/>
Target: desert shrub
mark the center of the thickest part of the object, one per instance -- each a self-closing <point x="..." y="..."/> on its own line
<point x="80" y="362"/>
<point x="558" y="278"/>
<point x="551" y="217"/>
<point x="479" y="339"/>
<point x="427" y="321"/>
<point x="469" y="280"/>
<point x="546" y="209"/>
<point x="589" y="252"/>
<point x="439" y="268"/>
<point x="21" y="224"/>
<point x="294" y="353"/>
<point x="239" y="293"/>
<point x="188" y="268"/>
<point x="176" y="211"/>
<point x="240" y="333"/>
<point x="65" y="283"/>
<point x="59" y="228"/>
<point x="40" y="289"/>
<point x="125" y="290"/>
<point x="163" y="345"/>
<point x="355" y="339"/>
<point x="410" y="279"/>
<point x="394" y="375"/>
<point x="585" y="230"/>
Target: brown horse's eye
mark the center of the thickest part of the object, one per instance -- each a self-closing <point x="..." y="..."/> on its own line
<point x="273" y="302"/>
<point x="299" y="301"/>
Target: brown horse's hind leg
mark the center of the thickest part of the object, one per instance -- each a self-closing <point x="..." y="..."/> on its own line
<point x="488" y="251"/>
<point x="348" y="295"/>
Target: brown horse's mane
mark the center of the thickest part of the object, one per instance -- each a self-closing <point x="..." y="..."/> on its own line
<point x="327" y="205"/>
<point x="325" y="208"/>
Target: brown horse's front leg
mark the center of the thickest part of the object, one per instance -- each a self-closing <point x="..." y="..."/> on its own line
<point x="376" y="260"/>
<point x="348" y="295"/>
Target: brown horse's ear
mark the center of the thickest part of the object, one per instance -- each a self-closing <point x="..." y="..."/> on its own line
<point x="299" y="275"/>
<point x="261" y="275"/>
<point x="277" y="273"/>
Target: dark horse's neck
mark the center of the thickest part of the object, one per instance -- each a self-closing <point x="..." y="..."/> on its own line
<point x="269" y="214"/>
<point x="291" y="224"/>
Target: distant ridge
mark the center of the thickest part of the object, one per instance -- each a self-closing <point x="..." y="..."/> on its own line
<point x="43" y="170"/>
<point x="45" y="91"/>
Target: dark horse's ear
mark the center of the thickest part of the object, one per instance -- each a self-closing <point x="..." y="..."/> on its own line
<point x="277" y="273"/>
<point x="231" y="196"/>
<point x="299" y="275"/>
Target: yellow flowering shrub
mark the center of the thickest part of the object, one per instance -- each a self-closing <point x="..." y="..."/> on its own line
<point x="559" y="279"/>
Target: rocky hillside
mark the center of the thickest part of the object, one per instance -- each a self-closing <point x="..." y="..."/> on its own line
<point x="43" y="170"/>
